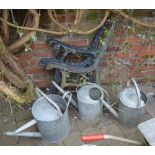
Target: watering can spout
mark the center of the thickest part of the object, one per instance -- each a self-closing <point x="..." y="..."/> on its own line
<point x="23" y="134"/>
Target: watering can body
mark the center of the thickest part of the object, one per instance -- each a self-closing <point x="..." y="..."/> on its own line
<point x="51" y="126"/>
<point x="131" y="106"/>
<point x="90" y="110"/>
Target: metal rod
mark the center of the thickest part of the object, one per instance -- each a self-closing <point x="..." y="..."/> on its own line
<point x="25" y="126"/>
<point x="138" y="92"/>
<point x="109" y="108"/>
<point x="63" y="92"/>
<point x="49" y="100"/>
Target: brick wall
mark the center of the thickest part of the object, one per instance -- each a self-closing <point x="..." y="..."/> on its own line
<point x="30" y="61"/>
<point x="137" y="60"/>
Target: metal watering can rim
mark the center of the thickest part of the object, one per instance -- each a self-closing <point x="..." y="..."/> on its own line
<point x="92" y="84"/>
<point x="139" y="95"/>
<point x="144" y="100"/>
<point x="137" y="91"/>
<point x="50" y="101"/>
<point x="62" y="98"/>
<point x="34" y="111"/>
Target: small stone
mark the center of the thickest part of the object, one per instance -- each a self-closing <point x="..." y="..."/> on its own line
<point x="5" y="120"/>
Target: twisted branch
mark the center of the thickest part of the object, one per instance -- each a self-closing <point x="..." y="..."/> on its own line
<point x="56" y="21"/>
<point x="27" y="36"/>
<point x="32" y="29"/>
<point x="76" y="31"/>
<point x="133" y="19"/>
<point x="79" y="18"/>
<point x="97" y="27"/>
<point x="59" y="33"/>
<point x="5" y="30"/>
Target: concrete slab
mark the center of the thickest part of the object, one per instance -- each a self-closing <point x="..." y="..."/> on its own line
<point x="137" y="136"/>
<point x="113" y="129"/>
<point x="126" y="131"/>
<point x="146" y="116"/>
<point x="106" y="120"/>
<point x="23" y="115"/>
<point x="7" y="140"/>
<point x="73" y="139"/>
<point x="150" y="108"/>
<point x="27" y="141"/>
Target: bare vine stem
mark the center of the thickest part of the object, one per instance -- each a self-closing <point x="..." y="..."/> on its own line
<point x="95" y="28"/>
<point x="79" y="31"/>
<point x="56" y="21"/>
<point x="58" y="33"/>
<point x="32" y="29"/>
<point x="132" y="19"/>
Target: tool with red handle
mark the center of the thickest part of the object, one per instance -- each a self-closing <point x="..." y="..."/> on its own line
<point x="99" y="137"/>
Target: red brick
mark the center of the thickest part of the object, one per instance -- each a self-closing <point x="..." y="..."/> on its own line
<point x="42" y="54"/>
<point x="138" y="48"/>
<point x="152" y="67"/>
<point x="118" y="33"/>
<point x="107" y="56"/>
<point x="42" y="76"/>
<point x="79" y="42"/>
<point x="39" y="46"/>
<point x="35" y="62"/>
<point x="20" y="58"/>
<point x="122" y="55"/>
<point x="32" y="69"/>
<point x="43" y="83"/>
<point x="132" y="40"/>
<point x="151" y="72"/>
<point x="24" y="56"/>
<point x="112" y="48"/>
<point x="136" y="75"/>
<point x="62" y="18"/>
<point x="118" y="41"/>
<point x="104" y="64"/>
<point x="144" y="54"/>
<point x="25" y="64"/>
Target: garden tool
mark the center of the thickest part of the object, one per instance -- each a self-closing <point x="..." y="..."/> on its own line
<point x="101" y="137"/>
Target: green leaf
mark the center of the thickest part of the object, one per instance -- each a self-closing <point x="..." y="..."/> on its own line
<point x="27" y="48"/>
<point x="2" y="72"/>
<point x="20" y="34"/>
<point x="34" y="38"/>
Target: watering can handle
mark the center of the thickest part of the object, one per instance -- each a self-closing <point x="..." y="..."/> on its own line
<point x="69" y="99"/>
<point x="85" y="83"/>
<point x="89" y="83"/>
<point x="137" y="91"/>
<point x="49" y="100"/>
<point x="80" y="85"/>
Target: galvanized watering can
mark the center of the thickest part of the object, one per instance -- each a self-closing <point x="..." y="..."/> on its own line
<point x="131" y="107"/>
<point x="91" y="99"/>
<point x="52" y="121"/>
<point x="90" y="109"/>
